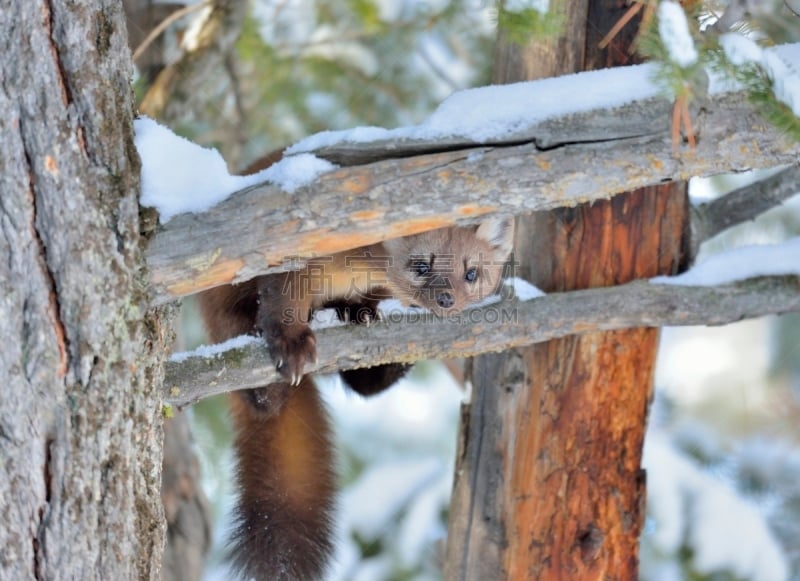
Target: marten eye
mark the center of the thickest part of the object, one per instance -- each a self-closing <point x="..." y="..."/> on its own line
<point x="420" y="267"/>
<point x="471" y="275"/>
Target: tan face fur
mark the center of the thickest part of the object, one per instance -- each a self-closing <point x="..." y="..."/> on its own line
<point x="452" y="268"/>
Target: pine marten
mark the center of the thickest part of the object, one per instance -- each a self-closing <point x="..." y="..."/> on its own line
<point x="285" y="474"/>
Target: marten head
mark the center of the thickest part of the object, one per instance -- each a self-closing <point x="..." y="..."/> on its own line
<point x="451" y="268"/>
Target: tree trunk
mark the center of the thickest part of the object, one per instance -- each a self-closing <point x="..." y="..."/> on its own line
<point x="82" y="362"/>
<point x="186" y="508"/>
<point x="548" y="482"/>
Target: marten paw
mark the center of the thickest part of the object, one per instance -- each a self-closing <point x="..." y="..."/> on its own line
<point x="291" y="347"/>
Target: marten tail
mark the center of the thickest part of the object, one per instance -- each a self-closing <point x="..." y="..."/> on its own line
<point x="284" y="528"/>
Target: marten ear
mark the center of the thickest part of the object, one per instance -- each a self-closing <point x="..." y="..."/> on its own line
<point x="498" y="233"/>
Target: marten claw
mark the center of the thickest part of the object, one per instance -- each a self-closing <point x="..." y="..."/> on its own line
<point x="291" y="347"/>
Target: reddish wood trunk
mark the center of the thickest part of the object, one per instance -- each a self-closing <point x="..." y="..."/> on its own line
<point x="549" y="484"/>
<point x="575" y="493"/>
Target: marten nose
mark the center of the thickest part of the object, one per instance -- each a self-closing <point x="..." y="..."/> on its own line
<point x="445" y="300"/>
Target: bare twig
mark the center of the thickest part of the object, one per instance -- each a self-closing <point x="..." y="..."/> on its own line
<point x="632" y="11"/>
<point x="164" y="24"/>
<point x="496" y="328"/>
<point x="179" y="86"/>
<point x="743" y="204"/>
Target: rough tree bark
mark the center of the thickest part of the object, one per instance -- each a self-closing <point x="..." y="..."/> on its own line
<point x="549" y="484"/>
<point x="81" y="363"/>
<point x="186" y="508"/>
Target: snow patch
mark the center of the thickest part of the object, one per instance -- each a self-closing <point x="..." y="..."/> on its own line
<point x="780" y="64"/>
<point x="215" y="350"/>
<point x="725" y="531"/>
<point x="293" y="172"/>
<point x="473" y="114"/>
<point x="739" y="49"/>
<point x="673" y="29"/>
<point x="785" y="80"/>
<point x="322" y="319"/>
<point x="381" y="492"/>
<point x="180" y="176"/>
<point x="740" y="264"/>
<point x="523" y="290"/>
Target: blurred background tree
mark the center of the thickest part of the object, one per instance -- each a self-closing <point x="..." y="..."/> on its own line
<point x="296" y="67"/>
<point x="722" y="455"/>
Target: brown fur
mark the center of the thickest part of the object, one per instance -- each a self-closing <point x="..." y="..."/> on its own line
<point x="285" y="468"/>
<point x="428" y="270"/>
<point x="453" y="251"/>
<point x="283" y="520"/>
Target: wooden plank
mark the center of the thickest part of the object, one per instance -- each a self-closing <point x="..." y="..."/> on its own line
<point x="255" y="230"/>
